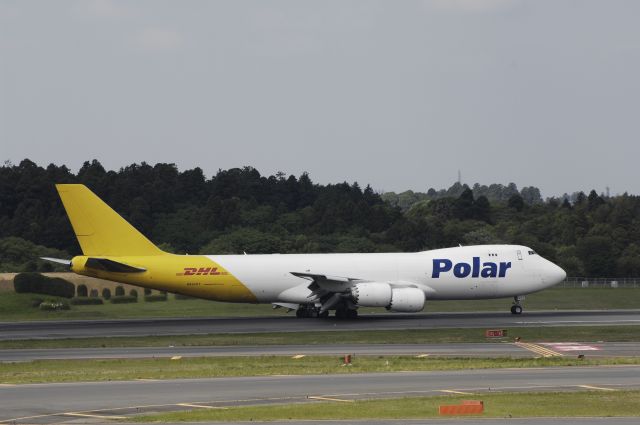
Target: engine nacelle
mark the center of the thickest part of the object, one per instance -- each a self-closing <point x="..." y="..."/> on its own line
<point x="371" y="294"/>
<point x="406" y="300"/>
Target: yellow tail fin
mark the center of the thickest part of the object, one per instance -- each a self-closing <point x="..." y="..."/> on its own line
<point x="100" y="230"/>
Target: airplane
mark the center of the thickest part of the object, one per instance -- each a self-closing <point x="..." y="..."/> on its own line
<point x="311" y="284"/>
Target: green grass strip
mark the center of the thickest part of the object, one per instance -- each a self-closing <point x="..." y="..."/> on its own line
<point x="626" y="333"/>
<point x="44" y="371"/>
<point x="502" y="405"/>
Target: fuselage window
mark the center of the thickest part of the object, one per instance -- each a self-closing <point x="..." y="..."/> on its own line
<point x="532" y="253"/>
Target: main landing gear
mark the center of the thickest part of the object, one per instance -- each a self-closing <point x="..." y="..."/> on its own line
<point x="311" y="311"/>
<point x="516" y="308"/>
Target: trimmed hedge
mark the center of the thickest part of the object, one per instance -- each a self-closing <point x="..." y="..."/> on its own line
<point x="106" y="293"/>
<point x="36" y="283"/>
<point x="82" y="290"/>
<point x="123" y="299"/>
<point x="184" y="297"/>
<point x="86" y="301"/>
<point x="155" y="298"/>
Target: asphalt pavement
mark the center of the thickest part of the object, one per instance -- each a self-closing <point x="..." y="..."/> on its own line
<point x="199" y="326"/>
<point x="51" y="403"/>
<point x="496" y="349"/>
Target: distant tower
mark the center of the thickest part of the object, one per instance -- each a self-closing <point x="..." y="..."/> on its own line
<point x="607" y="191"/>
<point x="459" y="177"/>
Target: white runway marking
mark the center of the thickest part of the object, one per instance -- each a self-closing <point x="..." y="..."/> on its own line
<point x="591" y="387"/>
<point x="311" y="397"/>
<point x="455" y="392"/>
<point x="571" y="346"/>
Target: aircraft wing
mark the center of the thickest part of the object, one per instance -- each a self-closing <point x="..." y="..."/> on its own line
<point x="327" y="283"/>
<point x="327" y="290"/>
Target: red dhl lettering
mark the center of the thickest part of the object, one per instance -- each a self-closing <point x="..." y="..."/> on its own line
<point x="195" y="271"/>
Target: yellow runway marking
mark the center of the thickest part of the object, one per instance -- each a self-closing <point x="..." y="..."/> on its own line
<point x="200" y="406"/>
<point x="590" y="387"/>
<point x="330" y="399"/>
<point x="538" y="349"/>
<point x="298" y="356"/>
<point x="87" y="415"/>
<point x="455" y="392"/>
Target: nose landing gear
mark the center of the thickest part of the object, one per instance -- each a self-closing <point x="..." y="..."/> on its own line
<point x="516" y="308"/>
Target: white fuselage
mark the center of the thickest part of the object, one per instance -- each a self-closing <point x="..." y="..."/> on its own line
<point x="473" y="272"/>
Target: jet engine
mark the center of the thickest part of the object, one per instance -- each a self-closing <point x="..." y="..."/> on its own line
<point x="371" y="294"/>
<point x="406" y="300"/>
<point x="377" y="294"/>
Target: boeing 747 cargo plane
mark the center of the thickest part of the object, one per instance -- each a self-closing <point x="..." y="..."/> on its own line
<point x="312" y="284"/>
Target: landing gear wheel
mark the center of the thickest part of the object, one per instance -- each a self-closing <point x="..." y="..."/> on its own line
<point x="306" y="311"/>
<point x="341" y="313"/>
<point x="324" y="314"/>
<point x="352" y="314"/>
<point x="516" y="308"/>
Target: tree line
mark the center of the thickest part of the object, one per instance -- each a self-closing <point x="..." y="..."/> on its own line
<point x="239" y="210"/>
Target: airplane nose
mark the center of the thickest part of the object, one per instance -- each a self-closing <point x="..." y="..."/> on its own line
<point x="556" y="274"/>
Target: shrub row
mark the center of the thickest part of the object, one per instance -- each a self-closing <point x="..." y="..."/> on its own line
<point x="124" y="299"/>
<point x="36" y="283"/>
<point x="86" y="301"/>
<point x="156" y="297"/>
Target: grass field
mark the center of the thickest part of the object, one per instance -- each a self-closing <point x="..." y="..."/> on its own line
<point x="41" y="371"/>
<point x="496" y="405"/>
<point x="626" y="333"/>
<point x="14" y="307"/>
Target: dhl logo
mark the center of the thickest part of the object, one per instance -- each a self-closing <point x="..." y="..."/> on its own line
<point x="195" y="271"/>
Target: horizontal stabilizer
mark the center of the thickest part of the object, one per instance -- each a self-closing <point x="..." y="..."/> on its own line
<point x="112" y="266"/>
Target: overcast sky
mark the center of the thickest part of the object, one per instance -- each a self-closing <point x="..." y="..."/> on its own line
<point x="398" y="94"/>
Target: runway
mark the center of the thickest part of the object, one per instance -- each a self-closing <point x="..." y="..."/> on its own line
<point x="456" y="421"/>
<point x="50" y="403"/>
<point x="195" y="326"/>
<point x="497" y="349"/>
<point x="452" y="421"/>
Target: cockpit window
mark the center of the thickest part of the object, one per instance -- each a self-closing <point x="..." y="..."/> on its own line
<point x="532" y="253"/>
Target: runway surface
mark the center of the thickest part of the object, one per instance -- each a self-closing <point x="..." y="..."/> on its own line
<point x="456" y="421"/>
<point x="51" y="403"/>
<point x="182" y="326"/>
<point x="498" y="349"/>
